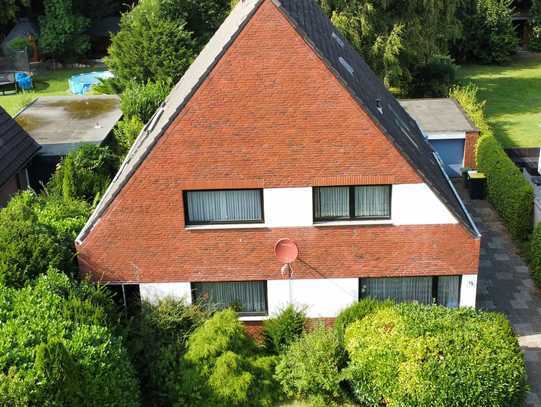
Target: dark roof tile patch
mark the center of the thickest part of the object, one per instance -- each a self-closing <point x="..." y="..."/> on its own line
<point x="16" y="147"/>
<point x="310" y="21"/>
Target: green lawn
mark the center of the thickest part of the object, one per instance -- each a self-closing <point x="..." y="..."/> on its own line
<point x="513" y="95"/>
<point x="46" y="84"/>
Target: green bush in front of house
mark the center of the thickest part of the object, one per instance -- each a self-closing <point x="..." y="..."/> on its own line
<point x="222" y="366"/>
<point x="282" y="329"/>
<point x="59" y="347"/>
<point x="157" y="341"/>
<point x="356" y="312"/>
<point x="508" y="190"/>
<point x="309" y="368"/>
<point x="431" y="356"/>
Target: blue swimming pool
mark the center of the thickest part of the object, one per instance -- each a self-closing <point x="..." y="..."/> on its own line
<point x="80" y="84"/>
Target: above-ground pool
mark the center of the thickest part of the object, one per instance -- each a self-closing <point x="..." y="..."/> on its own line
<point x="80" y="84"/>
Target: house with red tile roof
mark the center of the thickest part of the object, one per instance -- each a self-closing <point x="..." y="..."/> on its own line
<point x="279" y="130"/>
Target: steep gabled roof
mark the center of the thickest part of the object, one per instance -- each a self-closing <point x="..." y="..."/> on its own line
<point x="376" y="100"/>
<point x="16" y="147"/>
<point x="342" y="60"/>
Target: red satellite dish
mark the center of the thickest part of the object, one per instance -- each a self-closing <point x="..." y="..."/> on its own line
<point x="286" y="251"/>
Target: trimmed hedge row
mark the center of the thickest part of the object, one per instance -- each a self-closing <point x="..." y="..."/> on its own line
<point x="535" y="255"/>
<point x="509" y="192"/>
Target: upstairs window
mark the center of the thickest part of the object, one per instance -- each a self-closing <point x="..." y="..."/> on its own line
<point x="248" y="298"/>
<point x="352" y="203"/>
<point x="222" y="207"/>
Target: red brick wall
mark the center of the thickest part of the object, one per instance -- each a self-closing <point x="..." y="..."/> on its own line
<point x="470" y="149"/>
<point x="269" y="115"/>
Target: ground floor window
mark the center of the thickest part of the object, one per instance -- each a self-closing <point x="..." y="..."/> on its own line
<point x="249" y="298"/>
<point x="443" y="290"/>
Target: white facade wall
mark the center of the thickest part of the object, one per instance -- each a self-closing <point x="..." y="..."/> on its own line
<point x="468" y="291"/>
<point x="288" y="207"/>
<point x="416" y="204"/>
<point x="412" y="204"/>
<point x="157" y="291"/>
<point x="323" y="298"/>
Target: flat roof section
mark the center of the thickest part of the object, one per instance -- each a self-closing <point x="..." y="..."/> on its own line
<point x="60" y="124"/>
<point x="438" y="115"/>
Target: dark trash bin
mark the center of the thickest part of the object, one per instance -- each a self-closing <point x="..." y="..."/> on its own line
<point x="478" y="185"/>
<point x="465" y="176"/>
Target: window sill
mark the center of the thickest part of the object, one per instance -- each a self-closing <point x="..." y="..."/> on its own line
<point x="228" y="226"/>
<point x="254" y="318"/>
<point x="354" y="223"/>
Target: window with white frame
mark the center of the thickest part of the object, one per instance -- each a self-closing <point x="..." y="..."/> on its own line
<point x="223" y="206"/>
<point x="352" y="203"/>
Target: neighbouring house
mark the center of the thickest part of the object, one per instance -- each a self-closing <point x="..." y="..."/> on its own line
<point x="17" y="149"/>
<point x="60" y="124"/>
<point x="448" y="129"/>
<point x="279" y="130"/>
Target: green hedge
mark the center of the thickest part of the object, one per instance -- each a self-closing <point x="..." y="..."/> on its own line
<point x="431" y="356"/>
<point x="508" y="190"/>
<point x="535" y="255"/>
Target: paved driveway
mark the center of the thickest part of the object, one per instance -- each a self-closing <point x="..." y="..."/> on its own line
<point x="505" y="285"/>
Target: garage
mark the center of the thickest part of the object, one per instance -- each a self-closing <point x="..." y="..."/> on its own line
<point x="451" y="152"/>
<point x="448" y="129"/>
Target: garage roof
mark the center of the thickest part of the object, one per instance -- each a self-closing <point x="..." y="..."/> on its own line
<point x="439" y="115"/>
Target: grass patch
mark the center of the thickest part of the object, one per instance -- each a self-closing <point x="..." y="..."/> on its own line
<point x="53" y="83"/>
<point x="513" y="95"/>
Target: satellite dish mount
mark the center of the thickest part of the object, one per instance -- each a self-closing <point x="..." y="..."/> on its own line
<point x="286" y="251"/>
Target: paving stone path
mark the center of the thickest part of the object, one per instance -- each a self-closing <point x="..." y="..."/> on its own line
<point x="505" y="285"/>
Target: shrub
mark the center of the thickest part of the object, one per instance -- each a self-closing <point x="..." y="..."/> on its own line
<point x="126" y="132"/>
<point x="309" y="368"/>
<point x="221" y="367"/>
<point x="432" y="79"/>
<point x="157" y="341"/>
<point x="508" y="190"/>
<point x="535" y="255"/>
<point x="58" y="347"/>
<point x="413" y="355"/>
<point x="534" y="42"/>
<point x="356" y="312"/>
<point x="62" y="31"/>
<point x="38" y="233"/>
<point x="142" y="100"/>
<point x="488" y="33"/>
<point x="282" y="329"/>
<point x="108" y="86"/>
<point x="84" y="173"/>
<point x="19" y="44"/>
